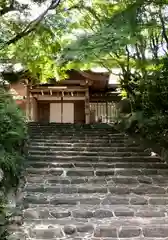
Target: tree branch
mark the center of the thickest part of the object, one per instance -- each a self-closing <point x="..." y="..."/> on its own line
<point x="163" y="28"/>
<point x="128" y="58"/>
<point x="32" y="25"/>
<point x="7" y="9"/>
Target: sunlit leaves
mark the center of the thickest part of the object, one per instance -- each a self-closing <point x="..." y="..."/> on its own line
<point x="36" y="50"/>
<point x="86" y="33"/>
<point x="38" y="54"/>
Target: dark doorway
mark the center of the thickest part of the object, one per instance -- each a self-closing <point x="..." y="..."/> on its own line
<point x="79" y="112"/>
<point x="43" y="112"/>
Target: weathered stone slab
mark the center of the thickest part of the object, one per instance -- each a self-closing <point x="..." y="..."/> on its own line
<point x="69" y="230"/>
<point x="144" y="180"/>
<point x="80" y="173"/>
<point x="104" y="172"/>
<point x="102" y="213"/>
<point x="150" y="214"/>
<point x="138" y="201"/>
<point x="129" y="232"/>
<point x="144" y="189"/>
<point x="105" y="232"/>
<point x="43" y="233"/>
<point x="124" y="212"/>
<point x="125" y="180"/>
<point x="82" y="214"/>
<point x="113" y="200"/>
<point x="86" y="228"/>
<point x="158" y="201"/>
<point x="119" y="190"/>
<point x="155" y="232"/>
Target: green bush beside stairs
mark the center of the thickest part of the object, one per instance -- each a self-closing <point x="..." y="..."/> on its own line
<point x="13" y="133"/>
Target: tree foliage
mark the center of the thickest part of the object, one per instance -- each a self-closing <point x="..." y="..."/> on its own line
<point x="17" y="26"/>
<point x="26" y="39"/>
<point x="132" y="36"/>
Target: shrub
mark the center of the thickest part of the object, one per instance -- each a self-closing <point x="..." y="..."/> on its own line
<point x="12" y="137"/>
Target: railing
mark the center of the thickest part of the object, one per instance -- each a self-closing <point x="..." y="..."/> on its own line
<point x="105" y="112"/>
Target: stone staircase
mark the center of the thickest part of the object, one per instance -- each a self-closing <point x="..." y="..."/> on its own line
<point x="90" y="182"/>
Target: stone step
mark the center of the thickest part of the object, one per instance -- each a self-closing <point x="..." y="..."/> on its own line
<point x="48" y="199"/>
<point x="133" y="229"/>
<point x="85" y="148"/>
<point x="76" y="132"/>
<point x="79" y="140"/>
<point x="93" y="165"/>
<point x="53" y="133"/>
<point x="83" y="145"/>
<point x="82" y="136"/>
<point x="89" y="182"/>
<point x="110" y="159"/>
<point x="115" y="180"/>
<point x="85" y="153"/>
<point x="79" y="134"/>
<point x="67" y="126"/>
<point x="93" y="238"/>
<point x="70" y="136"/>
<point x="111" y="221"/>
<point x="55" y="128"/>
<point x="71" y="125"/>
<point x="88" y="172"/>
<point x="138" y="189"/>
<point x="98" y="212"/>
<point x="75" y="126"/>
<point x="74" y="140"/>
<point x="114" y="228"/>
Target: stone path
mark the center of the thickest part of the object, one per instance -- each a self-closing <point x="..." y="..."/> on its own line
<point x="88" y="182"/>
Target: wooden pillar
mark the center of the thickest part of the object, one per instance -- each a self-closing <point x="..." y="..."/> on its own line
<point x="107" y="111"/>
<point x="62" y="108"/>
<point x="87" y="107"/>
<point x="97" y="111"/>
<point x="34" y="110"/>
<point x="28" y="103"/>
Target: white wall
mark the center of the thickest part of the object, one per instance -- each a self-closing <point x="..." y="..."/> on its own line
<point x="68" y="112"/>
<point x="55" y="112"/>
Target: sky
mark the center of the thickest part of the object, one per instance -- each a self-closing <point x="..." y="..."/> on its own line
<point x="36" y="9"/>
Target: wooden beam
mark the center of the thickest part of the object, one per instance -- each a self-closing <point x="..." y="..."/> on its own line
<point x="87" y="107"/>
<point x="81" y="89"/>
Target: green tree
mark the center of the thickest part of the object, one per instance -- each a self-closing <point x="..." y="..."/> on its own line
<point x="132" y="36"/>
<point x="25" y="39"/>
<point x="16" y="26"/>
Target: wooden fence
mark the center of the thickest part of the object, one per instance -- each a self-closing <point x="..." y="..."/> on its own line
<point x="105" y="112"/>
